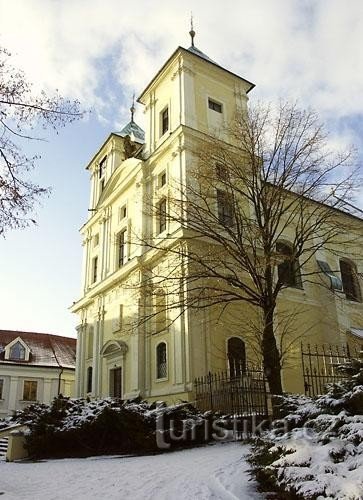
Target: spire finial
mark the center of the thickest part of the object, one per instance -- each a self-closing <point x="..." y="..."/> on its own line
<point x="192" y="32"/>
<point x="133" y="109"/>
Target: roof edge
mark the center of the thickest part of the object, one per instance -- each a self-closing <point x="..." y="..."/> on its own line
<point x="183" y="49"/>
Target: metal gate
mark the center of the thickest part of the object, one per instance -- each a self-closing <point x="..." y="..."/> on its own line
<point x="320" y="366"/>
<point x="244" y="395"/>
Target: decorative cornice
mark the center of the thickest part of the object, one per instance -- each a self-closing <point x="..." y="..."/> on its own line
<point x="180" y="70"/>
<point x="118" y="346"/>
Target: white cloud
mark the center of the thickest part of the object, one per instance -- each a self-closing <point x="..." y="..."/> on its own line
<point x="309" y="50"/>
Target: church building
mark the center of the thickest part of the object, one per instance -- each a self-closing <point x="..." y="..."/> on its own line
<point x="118" y="354"/>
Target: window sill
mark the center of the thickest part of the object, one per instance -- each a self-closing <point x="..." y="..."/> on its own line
<point x="163" y="138"/>
<point x="352" y="302"/>
<point x="165" y="379"/>
<point x="28" y="401"/>
<point x="162" y="233"/>
<point x="294" y="289"/>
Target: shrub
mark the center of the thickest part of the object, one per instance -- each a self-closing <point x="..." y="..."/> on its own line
<point x="79" y="427"/>
<point x="315" y="448"/>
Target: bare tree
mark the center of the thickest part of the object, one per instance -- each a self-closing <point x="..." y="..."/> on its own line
<point x="22" y="111"/>
<point x="260" y="201"/>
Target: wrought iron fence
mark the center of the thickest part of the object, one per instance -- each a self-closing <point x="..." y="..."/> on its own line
<point x="320" y="366"/>
<point x="244" y="396"/>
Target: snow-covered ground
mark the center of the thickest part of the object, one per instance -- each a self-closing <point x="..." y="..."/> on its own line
<point x="212" y="472"/>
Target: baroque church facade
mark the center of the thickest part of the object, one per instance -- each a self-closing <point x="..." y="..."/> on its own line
<point x="118" y="354"/>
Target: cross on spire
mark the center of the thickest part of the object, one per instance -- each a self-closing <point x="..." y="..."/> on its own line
<point x="133" y="109"/>
<point x="192" y="32"/>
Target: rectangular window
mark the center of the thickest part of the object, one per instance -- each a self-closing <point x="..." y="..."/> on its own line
<point x="162" y="216"/>
<point x="288" y="270"/>
<point x="122" y="250"/>
<point x="221" y="172"/>
<point x="30" y="390"/>
<point x="102" y="167"/>
<point x="215" y="106"/>
<point x="164" y="121"/>
<point x="162" y="179"/>
<point x="94" y="269"/>
<point x="1" y="388"/>
<point x="122" y="212"/>
<point x="225" y="208"/>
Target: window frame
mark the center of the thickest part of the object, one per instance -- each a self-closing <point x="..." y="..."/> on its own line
<point x="122" y="248"/>
<point x="102" y="167"/>
<point x="161" y="367"/>
<point x="215" y="105"/>
<point x="350" y="283"/>
<point x="122" y="212"/>
<point x="94" y="276"/>
<point x="28" y="397"/>
<point x="13" y="358"/>
<point x="225" y="208"/>
<point x="162" y="210"/>
<point x="221" y="171"/>
<point x="164" y="121"/>
<point x="162" y="179"/>
<point x="290" y="267"/>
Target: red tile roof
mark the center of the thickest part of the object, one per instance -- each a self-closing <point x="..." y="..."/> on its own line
<point x="45" y="349"/>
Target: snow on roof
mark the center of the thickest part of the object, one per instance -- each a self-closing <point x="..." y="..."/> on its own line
<point x="45" y="349"/>
<point x="357" y="332"/>
<point x="197" y="52"/>
<point x="132" y="129"/>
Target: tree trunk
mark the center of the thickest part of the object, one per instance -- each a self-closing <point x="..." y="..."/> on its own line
<point x="270" y="353"/>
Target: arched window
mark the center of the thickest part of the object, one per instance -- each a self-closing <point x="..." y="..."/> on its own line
<point x="236" y="356"/>
<point x="288" y="270"/>
<point x="17" y="352"/>
<point x="160" y="310"/>
<point x="89" y="379"/>
<point x="350" y="280"/>
<point x="161" y="361"/>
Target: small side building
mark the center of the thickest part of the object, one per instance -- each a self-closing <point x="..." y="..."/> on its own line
<point x="34" y="367"/>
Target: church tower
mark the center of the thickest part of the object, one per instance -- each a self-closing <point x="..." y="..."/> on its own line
<point x="117" y="353"/>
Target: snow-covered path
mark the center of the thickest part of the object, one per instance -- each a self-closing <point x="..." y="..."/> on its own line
<point x="212" y="472"/>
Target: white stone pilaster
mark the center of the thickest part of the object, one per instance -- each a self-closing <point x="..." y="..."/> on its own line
<point x="97" y="360"/>
<point x="47" y="390"/>
<point x="13" y="393"/>
<point x="79" y="361"/>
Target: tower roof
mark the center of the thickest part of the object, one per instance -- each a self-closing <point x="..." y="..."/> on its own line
<point x="197" y="53"/>
<point x="194" y="50"/>
<point x="134" y="131"/>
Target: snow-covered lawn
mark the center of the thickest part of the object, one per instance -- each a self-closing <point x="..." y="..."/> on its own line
<point x="212" y="472"/>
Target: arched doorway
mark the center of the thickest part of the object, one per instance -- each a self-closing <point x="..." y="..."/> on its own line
<point x="113" y="352"/>
<point x="236" y="353"/>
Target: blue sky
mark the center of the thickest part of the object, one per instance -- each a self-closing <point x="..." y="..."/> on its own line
<point x="101" y="52"/>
